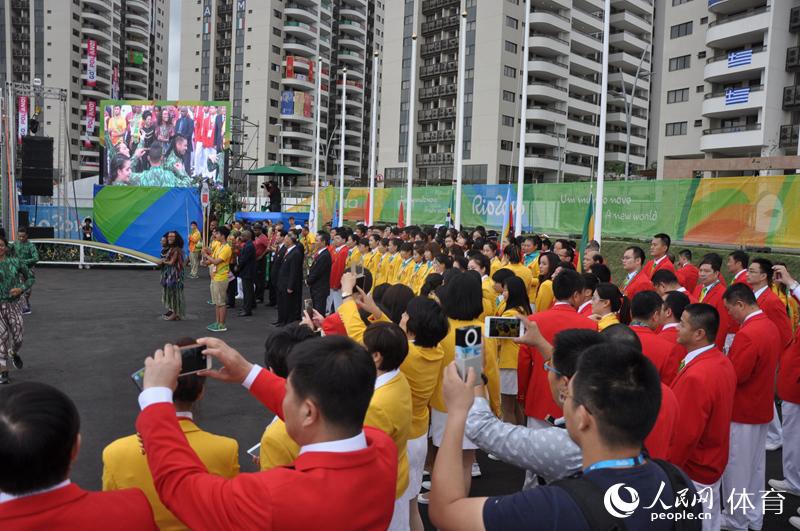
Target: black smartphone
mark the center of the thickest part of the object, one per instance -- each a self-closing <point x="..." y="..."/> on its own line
<point x="193" y="360"/>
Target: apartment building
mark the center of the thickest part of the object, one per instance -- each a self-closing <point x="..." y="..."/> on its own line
<point x="48" y="41"/>
<point x="563" y="101"/>
<point x="728" y="88"/>
<point x="262" y="56"/>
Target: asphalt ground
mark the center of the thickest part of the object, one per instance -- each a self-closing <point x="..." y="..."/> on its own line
<point x="91" y="329"/>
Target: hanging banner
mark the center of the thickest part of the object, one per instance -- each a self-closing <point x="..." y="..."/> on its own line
<point x="287" y="102"/>
<point x="307" y="106"/>
<point x="91" y="115"/>
<point x="299" y="103"/>
<point x="115" y="83"/>
<point x="91" y="62"/>
<point x="22" y="117"/>
<point x="290" y="67"/>
<point x="311" y="71"/>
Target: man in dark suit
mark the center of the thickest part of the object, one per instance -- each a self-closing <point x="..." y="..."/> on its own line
<point x="290" y="281"/>
<point x="275" y="269"/>
<point x="319" y="273"/>
<point x="185" y="127"/>
<point x="247" y="272"/>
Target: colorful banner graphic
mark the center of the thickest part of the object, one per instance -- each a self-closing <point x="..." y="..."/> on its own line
<point x="91" y="62"/>
<point x="137" y="217"/>
<point x="91" y="116"/>
<point x="115" y="83"/>
<point x="287" y="102"/>
<point x="753" y="211"/>
<point x="65" y="221"/>
<point x="22" y="117"/>
<point x="299" y="103"/>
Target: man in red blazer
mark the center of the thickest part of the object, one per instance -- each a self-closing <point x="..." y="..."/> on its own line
<point x="338" y="251"/>
<point x="710" y="290"/>
<point x="646" y="311"/>
<point x="687" y="273"/>
<point x="754" y="355"/>
<point x="323" y="403"/>
<point x="590" y="282"/>
<point x="659" y="250"/>
<point x="738" y="262"/>
<point x="534" y="389"/>
<point x="635" y="279"/>
<point x="759" y="277"/>
<point x="665" y="281"/>
<point x="705" y="386"/>
<point x="671" y="311"/>
<point x="40" y="427"/>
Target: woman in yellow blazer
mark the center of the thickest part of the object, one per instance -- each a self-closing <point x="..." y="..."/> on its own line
<point x="406" y="265"/>
<point x="544" y="295"/>
<point x="517" y="305"/>
<point x="420" y="272"/>
<point x="607" y="302"/>
<point x="513" y="262"/>
<point x="384" y="263"/>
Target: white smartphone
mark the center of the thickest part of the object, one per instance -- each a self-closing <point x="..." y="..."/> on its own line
<point x="502" y="327"/>
<point x="255" y="451"/>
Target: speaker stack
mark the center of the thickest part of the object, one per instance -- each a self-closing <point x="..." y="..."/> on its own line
<point x="37" y="165"/>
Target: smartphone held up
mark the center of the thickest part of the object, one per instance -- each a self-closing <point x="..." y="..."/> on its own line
<point x="192" y="361"/>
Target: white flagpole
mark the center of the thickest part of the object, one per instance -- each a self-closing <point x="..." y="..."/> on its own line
<point x="315" y="201"/>
<point x="341" y="147"/>
<point x="601" y="141"/>
<point x="412" y="100"/>
<point x="462" y="54"/>
<point x="523" y="106"/>
<point x="373" y="141"/>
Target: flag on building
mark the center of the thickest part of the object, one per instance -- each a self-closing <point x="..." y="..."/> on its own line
<point x="91" y="62"/>
<point x="588" y="231"/>
<point x="91" y="116"/>
<point x="290" y="67"/>
<point x="736" y="96"/>
<point x="740" y="58"/>
<point x="401" y="219"/>
<point x="135" y="58"/>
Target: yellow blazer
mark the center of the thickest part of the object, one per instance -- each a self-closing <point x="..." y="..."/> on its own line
<point x="489" y="297"/>
<point x="421" y="369"/>
<point x="394" y="266"/>
<point x="544" y="296"/>
<point x="507" y="350"/>
<point x="277" y="448"/>
<point x="496" y="264"/>
<point x="523" y="273"/>
<point x="418" y="277"/>
<point x="353" y="257"/>
<point x="382" y="269"/>
<point x="125" y="466"/>
<point x="404" y="272"/>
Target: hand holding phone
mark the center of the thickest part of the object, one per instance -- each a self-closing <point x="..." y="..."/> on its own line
<point x="308" y="308"/>
<point x="469" y="352"/>
<point x="502" y="327"/>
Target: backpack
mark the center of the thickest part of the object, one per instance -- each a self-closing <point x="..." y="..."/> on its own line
<point x="589" y="498"/>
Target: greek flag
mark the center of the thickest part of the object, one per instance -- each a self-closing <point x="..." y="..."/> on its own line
<point x="734" y="96"/>
<point x="744" y="57"/>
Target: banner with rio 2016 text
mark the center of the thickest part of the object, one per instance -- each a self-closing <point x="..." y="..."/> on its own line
<point x="757" y="211"/>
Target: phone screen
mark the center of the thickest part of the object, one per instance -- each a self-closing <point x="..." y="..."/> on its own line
<point x="504" y="327"/>
<point x="138" y="378"/>
<point x="193" y="359"/>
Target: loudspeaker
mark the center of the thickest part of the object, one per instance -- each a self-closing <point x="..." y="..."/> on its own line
<point x="37" y="186"/>
<point x="37" y="152"/>
<point x="36" y="173"/>
<point x="22" y="218"/>
<point x="41" y="232"/>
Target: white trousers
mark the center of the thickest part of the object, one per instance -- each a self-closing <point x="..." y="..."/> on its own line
<point x="400" y="516"/>
<point x="711" y="506"/>
<point x="791" y="443"/>
<point x="198" y="159"/>
<point x="744" y="475"/>
<point x="417" y="450"/>
<point x="775" y="432"/>
<point x="334" y="300"/>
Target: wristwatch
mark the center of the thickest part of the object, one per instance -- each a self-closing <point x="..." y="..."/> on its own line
<point x="345" y="295"/>
<point x="794" y="286"/>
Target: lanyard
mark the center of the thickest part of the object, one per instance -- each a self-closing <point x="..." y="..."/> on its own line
<point x="616" y="463"/>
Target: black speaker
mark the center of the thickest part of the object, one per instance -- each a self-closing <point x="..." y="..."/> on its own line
<point x="41" y="232"/>
<point x="22" y="218"/>
<point x="37" y="186"/>
<point x="36" y="173"/>
<point x="37" y="152"/>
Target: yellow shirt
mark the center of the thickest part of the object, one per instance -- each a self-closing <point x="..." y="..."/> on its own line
<point x="277" y="448"/>
<point x="607" y="320"/>
<point x="390" y="411"/>
<point x="421" y="368"/>
<point x="522" y="272"/>
<point x="544" y="296"/>
<point x="394" y="266"/>
<point x="489" y="297"/>
<point x="369" y="263"/>
<point x="404" y="272"/>
<point x="496" y="264"/>
<point x="534" y="267"/>
<point x="490" y="369"/>
<point x="384" y="266"/>
<point x="125" y="466"/>
<point x="353" y="323"/>
<point x="507" y="350"/>
<point x="353" y="257"/>
<point x="194" y="239"/>
<point x="224" y="253"/>
<point x="418" y="276"/>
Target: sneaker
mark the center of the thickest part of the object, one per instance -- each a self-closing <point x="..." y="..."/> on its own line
<point x="27" y="311"/>
<point x="4" y="377"/>
<point x="493" y="457"/>
<point x="782" y="484"/>
<point x="773" y="446"/>
<point x="426" y="473"/>
<point x="210" y="303"/>
<point x="426" y="484"/>
<point x="212" y="327"/>
<point x="221" y="328"/>
<point x="476" y="470"/>
<point x="16" y="360"/>
<point x="794" y="521"/>
<point x="422" y="498"/>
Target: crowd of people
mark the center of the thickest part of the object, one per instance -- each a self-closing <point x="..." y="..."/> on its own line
<point x="647" y="401"/>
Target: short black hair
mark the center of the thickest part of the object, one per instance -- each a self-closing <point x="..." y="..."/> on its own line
<point x="155" y="152"/>
<point x="482" y="261"/>
<point x="638" y="252"/>
<point x="741" y="257"/>
<point x="566" y="284"/>
<point x="704" y="317"/>
<point x="432" y="281"/>
<point x="621" y="334"/>
<point x="566" y="265"/>
<point x="570" y="251"/>
<point x="686" y="253"/>
<point x="395" y="301"/>
<point x="22" y="229"/>
<point x="766" y="267"/>
<point x="677" y="301"/>
<point x="463" y="297"/>
<point x="225" y="231"/>
<point x="39" y="426"/>
<point x="714" y="260"/>
<point x="445" y="260"/>
<point x="427" y="321"/>
<point x="492" y="245"/>
<point x="602" y="271"/>
<point x="645" y="304"/>
<point x="501" y="275"/>
<point x="407" y="247"/>
<point x="279" y="344"/>
<point x="590" y="281"/>
<point x="324" y="236"/>
<point x="665" y="239"/>
<point x="388" y="339"/>
<point x="606" y="291"/>
<point x="664" y="276"/>
<point x="739" y="293"/>
<point x="512" y="253"/>
<point x="338" y="375"/>
<point x="621" y="389"/>
<point x="568" y="346"/>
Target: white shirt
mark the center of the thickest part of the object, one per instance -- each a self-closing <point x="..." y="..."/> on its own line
<point x="693" y="354"/>
<point x="484" y="277"/>
<point x="8" y="497"/>
<point x="759" y="292"/>
<point x="289" y="250"/>
<point x="682" y="290"/>
<point x="359" y="442"/>
<point x="796" y="292"/>
<point x="656" y="262"/>
<point x="185" y="415"/>
<point x="385" y="378"/>
<point x="669" y="325"/>
<point x="339" y="248"/>
<point x="740" y="273"/>
<point x="584" y="305"/>
<point x="561" y="303"/>
<point x="757" y="312"/>
<point x="632" y="274"/>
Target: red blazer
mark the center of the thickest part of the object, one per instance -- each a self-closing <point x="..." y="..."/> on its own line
<point x="704" y="389"/>
<point x="687" y="276"/>
<point x="754" y="354"/>
<point x="789" y="372"/>
<point x="587" y="310"/>
<point x="775" y="310"/>
<point x="661" y="352"/>
<point x="657" y="442"/>
<point x="650" y="266"/>
<point x="714" y="298"/>
<point x="534" y="390"/>
<point x="678" y="353"/>
<point x="337" y="268"/>
<point x="315" y="492"/>
<point x="641" y="282"/>
<point x="741" y="278"/>
<point x="71" y="507"/>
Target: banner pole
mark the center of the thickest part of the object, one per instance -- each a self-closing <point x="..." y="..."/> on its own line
<point x="412" y="100"/>
<point x="601" y="141"/>
<point x="315" y="201"/>
<point x="341" y="147"/>
<point x="373" y="141"/>
<point x="462" y="59"/>
<point x="523" y="106"/>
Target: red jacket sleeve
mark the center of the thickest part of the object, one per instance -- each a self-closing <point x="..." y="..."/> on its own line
<point x="776" y="312"/>
<point x="742" y="359"/>
<point x="694" y="417"/>
<point x="269" y="389"/>
<point x="524" y="366"/>
<point x="337" y="270"/>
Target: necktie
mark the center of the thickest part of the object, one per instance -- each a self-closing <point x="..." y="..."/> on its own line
<point x="653" y="267"/>
<point x="682" y="365"/>
<point x="703" y="293"/>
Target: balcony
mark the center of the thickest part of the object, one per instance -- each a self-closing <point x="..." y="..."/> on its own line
<point x="351" y="26"/>
<point x="726" y="7"/>
<point x="738" y="30"/>
<point x="544" y="114"/>
<point x="548" y="68"/>
<point x="543" y="139"/>
<point x="629" y="21"/>
<point x="629" y="42"/>
<point x="355" y="13"/>
<point x="102" y="21"/>
<point x="136" y="31"/>
<point x="628" y="62"/>
<point x="621" y="137"/>
<point x="435" y="137"/>
<point x="350" y="57"/>
<point x="620" y="119"/>
<point x="429" y="7"/>
<point x="295" y="46"/>
<point x="298" y="81"/>
<point x="548" y="21"/>
<point x="138" y="19"/>
<point x="794" y="20"/>
<point x="438" y="69"/>
<point x="548" y="45"/>
<point x="300" y="29"/>
<point x="299" y="133"/>
<point x="300" y="12"/>
<point x="788" y="136"/>
<point x="440" y="113"/>
<point x="438" y="47"/>
<point x="437" y="92"/>
<point x="739" y="138"/>
<point x="718" y="69"/>
<point x="793" y="59"/>
<point x="298" y="118"/>
<point x="588" y="22"/>
<point x="141" y="6"/>
<point x="433" y="159"/>
<point x="642" y="7"/>
<point x="440" y="24"/>
<point x="352" y="86"/>
<point x="98" y="5"/>
<point x="539" y="161"/>
<point x="547" y="91"/>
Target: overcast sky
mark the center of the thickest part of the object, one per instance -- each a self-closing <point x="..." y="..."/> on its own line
<point x="174" y="64"/>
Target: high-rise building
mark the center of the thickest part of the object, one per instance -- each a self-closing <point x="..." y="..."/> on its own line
<point x="727" y="85"/>
<point x="262" y="56"/>
<point x="563" y="101"/>
<point x="49" y="41"/>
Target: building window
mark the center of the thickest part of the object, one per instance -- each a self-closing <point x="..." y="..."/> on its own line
<point x="704" y="21"/>
<point x="701" y="55"/>
<point x="680" y="30"/>
<point x="679" y="2"/>
<point x="469" y="73"/>
<point x="511" y="47"/>
<point x="679" y="63"/>
<point x="676" y="129"/>
<point x="511" y="22"/>
<point x="698" y="123"/>
<point x="700" y="89"/>
<point x="677" y="96"/>
<point x="509" y="71"/>
<point x="506" y="145"/>
<point x="508" y="121"/>
<point x="509" y="96"/>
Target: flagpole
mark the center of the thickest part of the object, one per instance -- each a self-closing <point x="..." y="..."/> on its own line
<point x="341" y="147"/>
<point x="601" y="141"/>
<point x="523" y="106"/>
<point x="462" y="53"/>
<point x="373" y="141"/>
<point x="315" y="206"/>
<point x="412" y="100"/>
